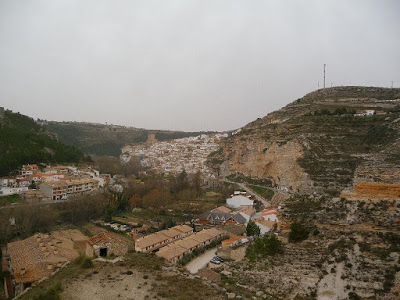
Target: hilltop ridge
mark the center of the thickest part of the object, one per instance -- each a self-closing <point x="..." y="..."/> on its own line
<point x="106" y="139"/>
<point x="351" y="97"/>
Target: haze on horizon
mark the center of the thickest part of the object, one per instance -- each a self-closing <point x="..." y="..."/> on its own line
<point x="188" y="65"/>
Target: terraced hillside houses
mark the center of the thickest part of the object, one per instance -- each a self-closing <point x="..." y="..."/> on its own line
<point x="53" y="183"/>
<point x="189" y="154"/>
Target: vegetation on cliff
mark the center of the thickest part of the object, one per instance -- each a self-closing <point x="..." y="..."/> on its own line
<point x="264" y="246"/>
<point x="23" y="141"/>
<point x="298" y="232"/>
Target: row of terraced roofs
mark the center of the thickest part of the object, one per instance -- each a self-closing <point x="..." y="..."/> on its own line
<point x="179" y="248"/>
<point x="159" y="239"/>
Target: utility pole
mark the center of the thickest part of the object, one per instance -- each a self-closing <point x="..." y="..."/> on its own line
<point x="324" y="74"/>
<point x="392" y="84"/>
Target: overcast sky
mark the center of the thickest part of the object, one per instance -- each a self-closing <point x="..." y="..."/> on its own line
<point x="188" y="65"/>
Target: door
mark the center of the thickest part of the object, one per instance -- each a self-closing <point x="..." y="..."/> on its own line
<point x="103" y="252"/>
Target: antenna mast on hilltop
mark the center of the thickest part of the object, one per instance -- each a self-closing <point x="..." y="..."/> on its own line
<point x="324" y="74"/>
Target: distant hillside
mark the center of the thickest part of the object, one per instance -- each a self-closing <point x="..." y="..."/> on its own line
<point x="23" y="141"/>
<point x="316" y="142"/>
<point x="103" y="139"/>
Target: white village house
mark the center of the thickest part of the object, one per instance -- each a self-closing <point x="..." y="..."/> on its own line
<point x="270" y="213"/>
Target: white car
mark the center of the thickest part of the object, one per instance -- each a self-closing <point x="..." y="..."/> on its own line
<point x="214" y="261"/>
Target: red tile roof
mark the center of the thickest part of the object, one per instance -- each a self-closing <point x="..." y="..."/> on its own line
<point x="103" y="238"/>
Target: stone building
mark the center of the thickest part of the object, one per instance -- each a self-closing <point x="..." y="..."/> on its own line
<point x="104" y="244"/>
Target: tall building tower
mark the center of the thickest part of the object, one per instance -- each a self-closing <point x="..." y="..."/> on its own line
<point x="151" y="138"/>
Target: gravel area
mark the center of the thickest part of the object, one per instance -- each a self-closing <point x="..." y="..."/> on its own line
<point x="109" y="283"/>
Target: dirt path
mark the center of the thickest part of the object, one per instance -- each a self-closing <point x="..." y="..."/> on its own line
<point x="201" y="261"/>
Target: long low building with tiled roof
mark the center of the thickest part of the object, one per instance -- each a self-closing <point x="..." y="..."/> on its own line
<point x="162" y="238"/>
<point x="175" y="251"/>
<point x="172" y="252"/>
<point x="188" y="243"/>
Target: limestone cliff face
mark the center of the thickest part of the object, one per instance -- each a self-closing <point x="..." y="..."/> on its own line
<point x="317" y="142"/>
<point x="263" y="159"/>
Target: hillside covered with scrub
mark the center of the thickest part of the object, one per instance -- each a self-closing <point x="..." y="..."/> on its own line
<point x="23" y="141"/>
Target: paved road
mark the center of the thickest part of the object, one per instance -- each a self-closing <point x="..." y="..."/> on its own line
<point x="201" y="261"/>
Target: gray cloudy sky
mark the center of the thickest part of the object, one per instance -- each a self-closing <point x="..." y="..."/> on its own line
<point x="188" y="65"/>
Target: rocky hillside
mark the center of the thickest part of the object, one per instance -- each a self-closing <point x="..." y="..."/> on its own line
<point x="103" y="139"/>
<point x="318" y="143"/>
<point x="23" y="141"/>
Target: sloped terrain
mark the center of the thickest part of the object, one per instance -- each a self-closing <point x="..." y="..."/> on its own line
<point x="344" y="170"/>
<point x="23" y="141"/>
<point x="352" y="252"/>
<point x="317" y="142"/>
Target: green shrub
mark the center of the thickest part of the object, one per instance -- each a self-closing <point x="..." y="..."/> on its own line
<point x="252" y="229"/>
<point x="354" y="296"/>
<point x="84" y="261"/>
<point x="52" y="293"/>
<point x="79" y="259"/>
<point x="87" y="263"/>
<point x="298" y="232"/>
<point x="263" y="246"/>
<point x="389" y="279"/>
<point x="349" y="265"/>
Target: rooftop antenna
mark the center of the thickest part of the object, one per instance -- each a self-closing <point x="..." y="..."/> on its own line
<point x="324" y="74"/>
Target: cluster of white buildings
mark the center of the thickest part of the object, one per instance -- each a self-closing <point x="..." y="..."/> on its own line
<point x="172" y="157"/>
<point x="52" y="183"/>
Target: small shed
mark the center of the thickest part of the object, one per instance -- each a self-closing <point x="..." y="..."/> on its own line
<point x="105" y="243"/>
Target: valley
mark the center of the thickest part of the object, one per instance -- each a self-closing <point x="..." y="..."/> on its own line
<point x="301" y="204"/>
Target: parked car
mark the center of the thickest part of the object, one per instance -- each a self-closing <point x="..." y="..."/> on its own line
<point x="218" y="258"/>
<point x="214" y="261"/>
